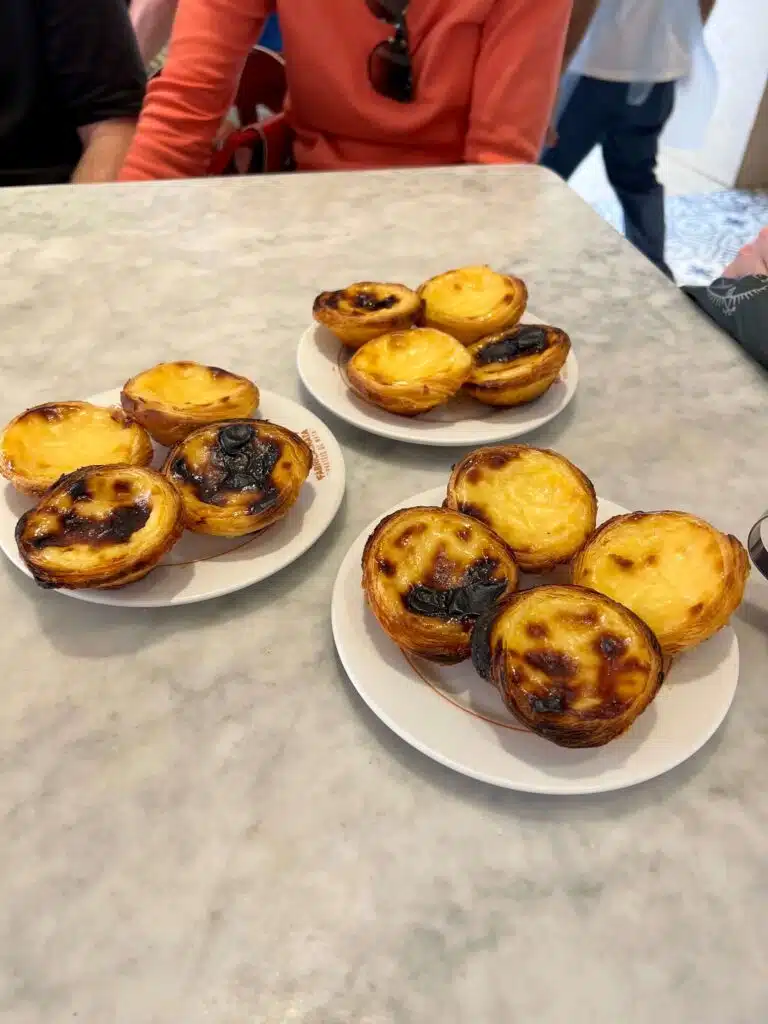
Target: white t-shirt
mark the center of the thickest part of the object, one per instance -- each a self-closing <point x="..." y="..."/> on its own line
<point x="640" y="41"/>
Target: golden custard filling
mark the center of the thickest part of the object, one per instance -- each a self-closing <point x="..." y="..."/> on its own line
<point x="465" y="294"/>
<point x="664" y="568"/>
<point x="368" y="297"/>
<point x="406" y="357"/>
<point x="529" y="500"/>
<point x="434" y="549"/>
<point x="238" y="476"/>
<point x="97" y="518"/>
<point x="186" y="386"/>
<point x="566" y="652"/>
<point x="49" y="441"/>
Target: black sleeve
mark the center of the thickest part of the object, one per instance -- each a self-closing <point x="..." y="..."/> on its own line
<point x="93" y="59"/>
<point x="740" y="307"/>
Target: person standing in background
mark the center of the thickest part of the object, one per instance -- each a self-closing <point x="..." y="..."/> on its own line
<point x="618" y="92"/>
<point x="371" y="83"/>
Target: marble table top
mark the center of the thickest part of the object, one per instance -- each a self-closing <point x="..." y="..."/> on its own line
<point x="201" y="823"/>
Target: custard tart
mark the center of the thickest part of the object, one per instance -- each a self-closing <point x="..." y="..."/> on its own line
<point x="679" y="574"/>
<point x="537" y="501"/>
<point x="365" y="310"/>
<point x="100" y="527"/>
<point x="409" y="372"/>
<point x="173" y="399"/>
<point x="427" y="576"/>
<point x="473" y="302"/>
<point x="238" y="477"/>
<point x="574" y="666"/>
<point x="48" y="441"/>
<point x="517" y="365"/>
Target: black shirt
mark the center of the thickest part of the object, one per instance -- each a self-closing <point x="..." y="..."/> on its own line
<point x="64" y="64"/>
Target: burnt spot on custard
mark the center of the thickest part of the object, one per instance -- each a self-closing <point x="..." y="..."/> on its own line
<point x="240" y="461"/>
<point x="622" y="562"/>
<point x="385" y="566"/>
<point x="483" y="655"/>
<point x="610" y="646"/>
<point x="697" y="609"/>
<point x="408" y="533"/>
<point x="369" y="302"/>
<point x="477" y="592"/>
<point x="559" y="668"/>
<point x="473" y="511"/>
<point x="328" y="300"/>
<point x="49" y="413"/>
<point x="79" y="490"/>
<point x="553" y="664"/>
<point x="551" y="704"/>
<point x="527" y="340"/>
<point x="585" y="619"/>
<point x="364" y="300"/>
<point x="117" y="527"/>
<point x="536" y="630"/>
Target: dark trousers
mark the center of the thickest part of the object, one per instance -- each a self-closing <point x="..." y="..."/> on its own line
<point x="599" y="113"/>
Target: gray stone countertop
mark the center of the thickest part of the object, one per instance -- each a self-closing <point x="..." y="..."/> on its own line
<point x="201" y="822"/>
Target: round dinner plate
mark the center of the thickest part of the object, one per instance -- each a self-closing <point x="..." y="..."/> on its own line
<point x="200" y="568"/>
<point x="455" y="717"/>
<point x="321" y="360"/>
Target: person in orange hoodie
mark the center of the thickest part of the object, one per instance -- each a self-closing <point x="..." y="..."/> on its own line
<point x="371" y="83"/>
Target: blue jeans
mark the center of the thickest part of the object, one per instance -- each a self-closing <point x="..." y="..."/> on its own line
<point x="599" y="113"/>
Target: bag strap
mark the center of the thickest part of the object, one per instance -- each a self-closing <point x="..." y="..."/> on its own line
<point x="260" y="148"/>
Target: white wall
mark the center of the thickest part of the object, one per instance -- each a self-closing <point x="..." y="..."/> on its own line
<point x="737" y="37"/>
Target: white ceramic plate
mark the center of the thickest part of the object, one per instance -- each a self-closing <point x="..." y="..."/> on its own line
<point x="455" y="717"/>
<point x="321" y="361"/>
<point x="200" y="568"/>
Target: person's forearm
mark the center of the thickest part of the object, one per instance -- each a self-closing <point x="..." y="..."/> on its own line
<point x="706" y="7"/>
<point x="581" y="16"/>
<point x="152" y="23"/>
<point x="104" y="149"/>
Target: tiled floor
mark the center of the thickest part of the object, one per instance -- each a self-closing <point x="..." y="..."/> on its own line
<point x="707" y="222"/>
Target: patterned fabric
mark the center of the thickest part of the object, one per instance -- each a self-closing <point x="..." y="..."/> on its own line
<point x="704" y="232"/>
<point x="740" y="307"/>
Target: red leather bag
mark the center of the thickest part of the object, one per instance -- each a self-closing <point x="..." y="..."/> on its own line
<point x="258" y="146"/>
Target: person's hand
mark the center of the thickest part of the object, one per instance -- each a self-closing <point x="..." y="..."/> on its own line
<point x="752" y="259"/>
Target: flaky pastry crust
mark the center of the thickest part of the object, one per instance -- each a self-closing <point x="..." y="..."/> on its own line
<point x="173" y="399"/>
<point x="409" y="372"/>
<point x="365" y="310"/>
<point x="427" y="575"/>
<point x="574" y="666"/>
<point x="676" y="571"/>
<point x="238" y="477"/>
<point x="518" y="365"/>
<point x="537" y="501"/>
<point x="100" y="527"/>
<point x="48" y="441"/>
<point x="473" y="302"/>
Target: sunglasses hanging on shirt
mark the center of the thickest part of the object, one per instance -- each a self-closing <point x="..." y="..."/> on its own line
<point x="389" y="66"/>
